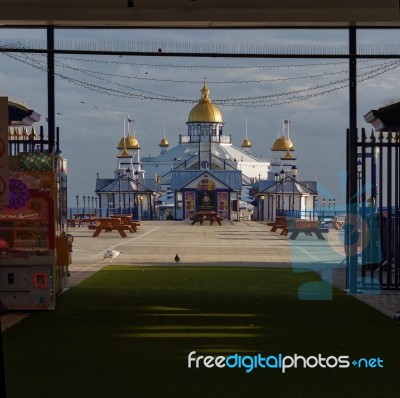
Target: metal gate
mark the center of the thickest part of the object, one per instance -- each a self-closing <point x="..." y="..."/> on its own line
<point x="378" y="229"/>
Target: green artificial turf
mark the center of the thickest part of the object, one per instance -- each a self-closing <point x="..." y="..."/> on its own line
<point x="127" y="332"/>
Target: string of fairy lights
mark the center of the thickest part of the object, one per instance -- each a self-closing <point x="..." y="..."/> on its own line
<point x="98" y="80"/>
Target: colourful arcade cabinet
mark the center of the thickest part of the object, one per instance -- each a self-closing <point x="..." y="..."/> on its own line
<point x="34" y="245"/>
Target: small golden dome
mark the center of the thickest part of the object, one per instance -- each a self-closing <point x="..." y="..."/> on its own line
<point x="130" y="143"/>
<point x="288" y="156"/>
<point x="164" y="143"/>
<point x="124" y="154"/>
<point x="283" y="144"/>
<point x="205" y="110"/>
<point x="246" y="143"/>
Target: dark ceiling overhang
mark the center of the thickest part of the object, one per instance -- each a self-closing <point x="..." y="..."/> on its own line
<point x="19" y="114"/>
<point x="199" y="13"/>
<point x="386" y="118"/>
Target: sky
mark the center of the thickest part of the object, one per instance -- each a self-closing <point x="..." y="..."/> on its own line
<point x="95" y="93"/>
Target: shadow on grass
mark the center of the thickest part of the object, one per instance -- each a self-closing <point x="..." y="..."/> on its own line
<point x="127" y="332"/>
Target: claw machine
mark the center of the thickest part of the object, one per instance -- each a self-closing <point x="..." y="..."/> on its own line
<point x="34" y="246"/>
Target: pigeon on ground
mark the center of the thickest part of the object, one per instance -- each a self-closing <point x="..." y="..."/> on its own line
<point x="177" y="259"/>
<point x="111" y="254"/>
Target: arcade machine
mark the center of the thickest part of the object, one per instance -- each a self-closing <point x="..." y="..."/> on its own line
<point x="34" y="245"/>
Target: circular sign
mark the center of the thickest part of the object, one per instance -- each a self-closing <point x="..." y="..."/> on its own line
<point x="19" y="194"/>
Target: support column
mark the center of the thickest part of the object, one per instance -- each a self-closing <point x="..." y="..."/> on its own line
<point x="50" y="88"/>
<point x="351" y="199"/>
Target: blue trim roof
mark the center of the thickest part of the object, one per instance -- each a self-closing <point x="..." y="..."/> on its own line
<point x="231" y="178"/>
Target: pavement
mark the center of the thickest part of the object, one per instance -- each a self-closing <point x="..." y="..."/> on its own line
<point x="245" y="243"/>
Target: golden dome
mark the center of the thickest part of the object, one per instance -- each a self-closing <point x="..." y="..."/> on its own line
<point x="130" y="143"/>
<point x="205" y="110"/>
<point x="283" y="144"/>
<point x="164" y="143"/>
<point x="124" y="154"/>
<point x="246" y="143"/>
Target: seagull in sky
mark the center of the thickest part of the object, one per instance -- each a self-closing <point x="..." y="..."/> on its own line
<point x="111" y="254"/>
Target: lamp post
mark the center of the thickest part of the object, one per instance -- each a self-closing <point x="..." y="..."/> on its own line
<point x="315" y="206"/>
<point x="276" y="193"/>
<point x="109" y="203"/>
<point x="294" y="174"/>
<point x="84" y="203"/>
<point x="92" y="204"/>
<point x="329" y="205"/>
<point x="95" y="200"/>
<point x="359" y="176"/>
<point x="119" y="193"/>
<point x="77" y="203"/>
<point x="136" y="177"/>
<point x="323" y="206"/>
<point x="282" y="178"/>
<point x="334" y="205"/>
<point x="139" y="199"/>
<point x="128" y="171"/>
<point x="261" y="208"/>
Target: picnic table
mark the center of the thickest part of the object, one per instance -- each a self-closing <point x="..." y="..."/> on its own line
<point x="126" y="220"/>
<point x="111" y="224"/>
<point x="203" y="215"/>
<point x="308" y="227"/>
<point x="330" y="222"/>
<point x="280" y="223"/>
<point x="82" y="219"/>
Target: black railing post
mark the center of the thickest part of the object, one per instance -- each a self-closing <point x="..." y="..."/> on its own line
<point x="351" y="200"/>
<point x="50" y="88"/>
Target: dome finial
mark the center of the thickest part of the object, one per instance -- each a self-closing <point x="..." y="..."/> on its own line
<point x="164" y="142"/>
<point x="246" y="142"/>
<point x="205" y="92"/>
